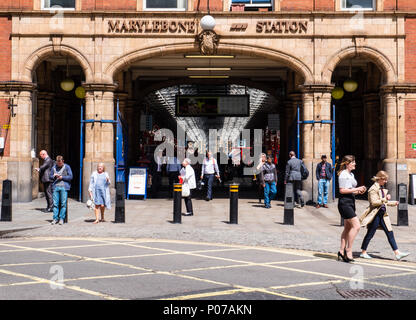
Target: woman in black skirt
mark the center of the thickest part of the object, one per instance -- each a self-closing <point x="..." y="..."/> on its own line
<point x="346" y="206"/>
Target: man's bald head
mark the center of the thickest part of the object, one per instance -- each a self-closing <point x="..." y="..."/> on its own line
<point x="43" y="154"/>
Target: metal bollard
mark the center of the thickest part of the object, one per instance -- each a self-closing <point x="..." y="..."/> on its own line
<point x="402" y="213"/>
<point x="288" y="217"/>
<point x="6" y="201"/>
<point x="120" y="216"/>
<point x="234" y="204"/>
<point x="177" y="203"/>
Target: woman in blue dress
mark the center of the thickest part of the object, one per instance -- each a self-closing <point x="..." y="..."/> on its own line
<point x="99" y="190"/>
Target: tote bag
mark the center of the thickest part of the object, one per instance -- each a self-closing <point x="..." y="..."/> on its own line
<point x="186" y="191"/>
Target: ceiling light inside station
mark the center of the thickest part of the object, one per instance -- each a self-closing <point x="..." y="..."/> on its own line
<point x="208" y="69"/>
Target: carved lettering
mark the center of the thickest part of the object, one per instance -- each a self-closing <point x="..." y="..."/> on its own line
<point x="259" y="26"/>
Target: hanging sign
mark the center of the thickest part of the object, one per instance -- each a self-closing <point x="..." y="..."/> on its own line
<point x="137" y="182"/>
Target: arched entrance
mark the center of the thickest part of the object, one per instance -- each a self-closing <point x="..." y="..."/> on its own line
<point x="144" y="72"/>
<point x="57" y="112"/>
<point x="361" y="111"/>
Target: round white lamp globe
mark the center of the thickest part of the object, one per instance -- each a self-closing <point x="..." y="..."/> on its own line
<point x="207" y="23"/>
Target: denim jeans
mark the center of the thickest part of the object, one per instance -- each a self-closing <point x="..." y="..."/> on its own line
<point x="269" y="192"/>
<point x="209" y="178"/>
<point x="372" y="228"/>
<point x="323" y="187"/>
<point x="60" y="196"/>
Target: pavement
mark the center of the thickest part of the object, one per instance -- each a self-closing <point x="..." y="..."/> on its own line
<point x="314" y="229"/>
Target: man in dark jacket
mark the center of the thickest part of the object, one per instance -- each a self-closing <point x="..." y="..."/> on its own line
<point x="293" y="175"/>
<point x="268" y="178"/>
<point x="61" y="175"/>
<point x="324" y="176"/>
<point x="44" y="172"/>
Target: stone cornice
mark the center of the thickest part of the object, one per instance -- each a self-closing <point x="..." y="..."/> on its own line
<point x="200" y="14"/>
<point x="317" y="87"/>
<point x="100" y="87"/>
<point x="9" y="86"/>
<point x="399" y="88"/>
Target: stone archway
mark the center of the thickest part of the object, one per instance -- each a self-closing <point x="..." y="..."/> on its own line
<point x="41" y="54"/>
<point x="378" y="58"/>
<point x="224" y="48"/>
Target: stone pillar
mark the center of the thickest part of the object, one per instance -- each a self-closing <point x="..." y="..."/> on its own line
<point x="19" y="164"/>
<point x="315" y="137"/>
<point x="393" y="164"/>
<point x="99" y="137"/>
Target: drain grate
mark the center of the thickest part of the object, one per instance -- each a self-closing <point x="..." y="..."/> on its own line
<point x="363" y="294"/>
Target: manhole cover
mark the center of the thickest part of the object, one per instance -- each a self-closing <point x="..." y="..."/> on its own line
<point x="363" y="294"/>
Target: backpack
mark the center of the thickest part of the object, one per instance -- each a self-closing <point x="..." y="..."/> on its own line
<point x="304" y="172"/>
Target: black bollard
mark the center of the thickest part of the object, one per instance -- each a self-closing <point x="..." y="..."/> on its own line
<point x="120" y="216"/>
<point x="288" y="217"/>
<point x="177" y="203"/>
<point x="6" y="201"/>
<point x="402" y="213"/>
<point x="234" y="204"/>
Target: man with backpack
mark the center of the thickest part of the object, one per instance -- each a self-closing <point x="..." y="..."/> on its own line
<point x="295" y="173"/>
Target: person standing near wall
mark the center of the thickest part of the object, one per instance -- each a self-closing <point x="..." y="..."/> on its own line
<point x="44" y="172"/>
<point x="61" y="175"/>
<point x="324" y="176"/>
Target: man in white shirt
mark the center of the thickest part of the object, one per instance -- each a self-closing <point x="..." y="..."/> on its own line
<point x="209" y="169"/>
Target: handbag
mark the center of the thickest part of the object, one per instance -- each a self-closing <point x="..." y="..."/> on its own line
<point x="186" y="191"/>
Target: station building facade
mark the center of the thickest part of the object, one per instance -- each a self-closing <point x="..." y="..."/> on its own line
<point x="317" y="43"/>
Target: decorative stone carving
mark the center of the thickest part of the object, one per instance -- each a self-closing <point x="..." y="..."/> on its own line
<point x="208" y="42"/>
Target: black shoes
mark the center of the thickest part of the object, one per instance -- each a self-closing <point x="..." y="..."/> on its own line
<point x="188" y="214"/>
<point x="344" y="257"/>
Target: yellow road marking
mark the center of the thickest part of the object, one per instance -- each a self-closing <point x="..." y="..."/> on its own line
<point x="46" y="281"/>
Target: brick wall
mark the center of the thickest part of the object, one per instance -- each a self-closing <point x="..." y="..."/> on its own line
<point x="6" y="48"/>
<point x="410" y="111"/>
<point x="5" y="73"/>
<point x="410" y="50"/>
<point x="405" y="5"/>
<point x="16" y="4"/>
<point x="214" y="5"/>
<point x="4" y="132"/>
<point x="296" y="5"/>
<point x="109" y="5"/>
<point x="325" y="5"/>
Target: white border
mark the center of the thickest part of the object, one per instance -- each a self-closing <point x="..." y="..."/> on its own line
<point x="163" y="9"/>
<point x="374" y="8"/>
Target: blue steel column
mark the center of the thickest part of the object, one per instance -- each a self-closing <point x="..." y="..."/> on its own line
<point x="333" y="152"/>
<point x="81" y="153"/>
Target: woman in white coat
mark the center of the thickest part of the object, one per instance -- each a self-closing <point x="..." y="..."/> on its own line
<point x="99" y="190"/>
<point x="187" y="174"/>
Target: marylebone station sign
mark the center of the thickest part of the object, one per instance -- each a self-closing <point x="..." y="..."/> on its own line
<point x="166" y="26"/>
